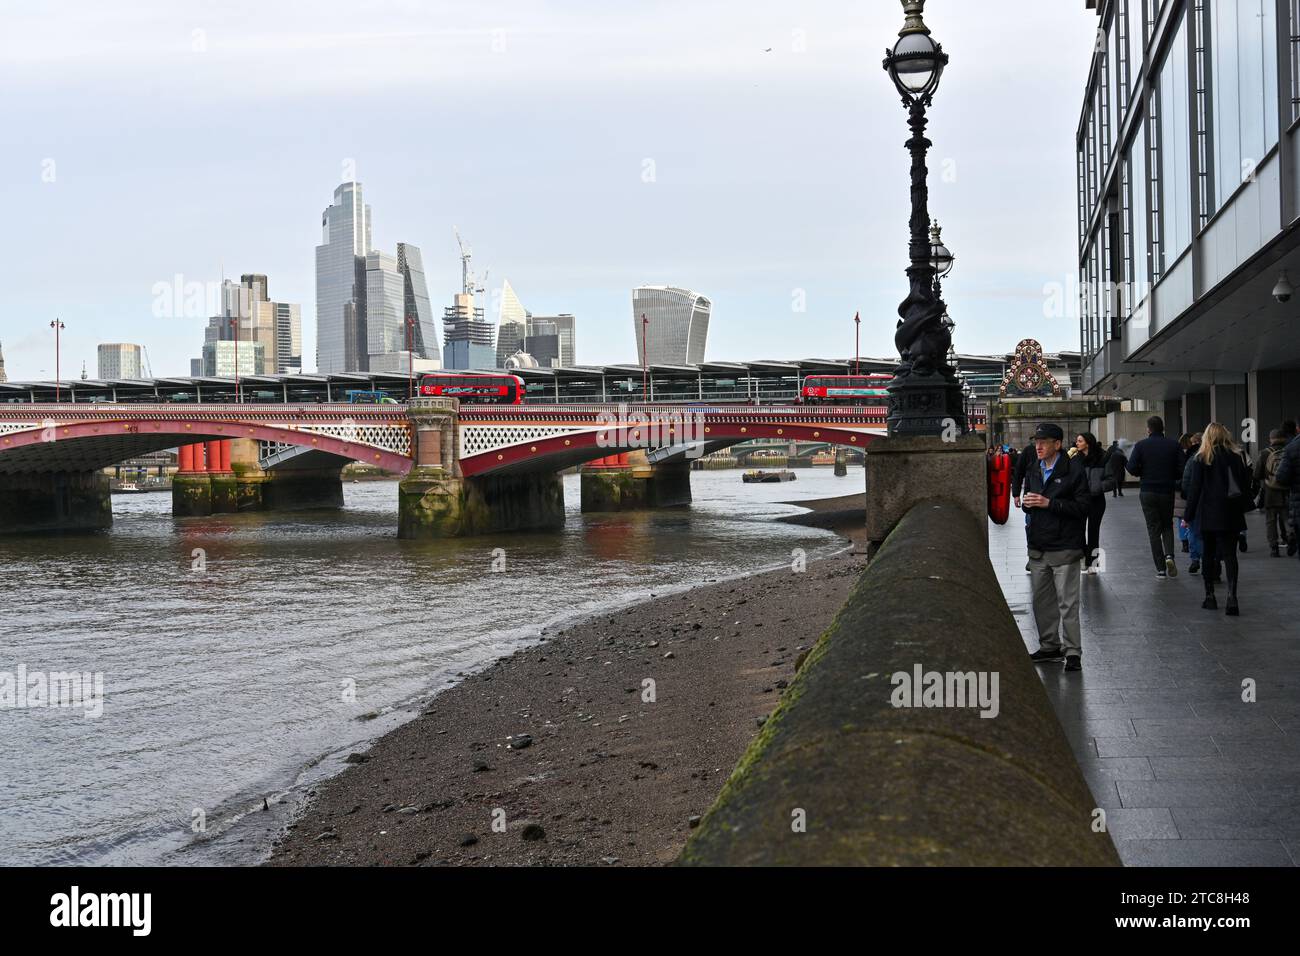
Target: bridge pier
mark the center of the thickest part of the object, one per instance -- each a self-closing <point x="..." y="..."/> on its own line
<point x="58" y="501"/>
<point x="628" y="482"/>
<point x="433" y="504"/>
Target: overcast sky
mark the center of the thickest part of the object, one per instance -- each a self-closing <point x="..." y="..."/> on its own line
<point x="581" y="147"/>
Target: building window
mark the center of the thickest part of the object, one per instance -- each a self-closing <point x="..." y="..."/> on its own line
<point x="1295" y="60"/>
<point x="1135" y="37"/>
<point x="1139" y="273"/>
<point x="1173" y="112"/>
<point x="1200" y="98"/>
<point x="1116" y="86"/>
<point x="1243" y="56"/>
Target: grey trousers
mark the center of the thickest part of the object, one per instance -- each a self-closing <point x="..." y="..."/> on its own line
<point x="1054" y="577"/>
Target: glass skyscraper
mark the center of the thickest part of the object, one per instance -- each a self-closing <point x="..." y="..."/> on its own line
<point x="678" y="325"/>
<point x="341" y="282"/>
<point x="385" y="305"/>
<point x="424" y="334"/>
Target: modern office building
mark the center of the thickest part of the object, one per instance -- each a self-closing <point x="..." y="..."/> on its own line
<point x="1189" y="196"/>
<point x="118" y="360"/>
<point x="423" y="341"/>
<point x="563" y="326"/>
<point x="249" y="315"/>
<point x="219" y="358"/>
<point x="468" y="335"/>
<point x="341" y="282"/>
<point x="385" y="305"/>
<point x="512" y="325"/>
<point x="677" y="326"/>
<point x="543" y="343"/>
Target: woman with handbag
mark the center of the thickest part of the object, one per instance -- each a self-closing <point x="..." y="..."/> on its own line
<point x="1089" y="456"/>
<point x="1218" y="498"/>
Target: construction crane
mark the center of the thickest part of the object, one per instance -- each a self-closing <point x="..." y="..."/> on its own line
<point x="466" y="278"/>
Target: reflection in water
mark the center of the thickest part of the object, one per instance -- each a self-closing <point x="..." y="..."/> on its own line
<point x="304" y="634"/>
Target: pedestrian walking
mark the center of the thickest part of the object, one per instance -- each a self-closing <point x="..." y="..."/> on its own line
<point x="1276" y="497"/>
<point x="1180" y="499"/>
<point x="1191" y="529"/>
<point x="1156" y="463"/>
<point x="1118" y="462"/>
<point x="1100" y="479"/>
<point x="1218" y="497"/>
<point x="1288" y="476"/>
<point x="1056" y="503"/>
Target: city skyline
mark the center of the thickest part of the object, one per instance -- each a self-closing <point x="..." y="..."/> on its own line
<point x="576" y="227"/>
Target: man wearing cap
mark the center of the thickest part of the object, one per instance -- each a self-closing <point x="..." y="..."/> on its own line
<point x="1056" y="501"/>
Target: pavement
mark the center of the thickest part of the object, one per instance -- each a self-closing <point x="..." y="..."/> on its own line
<point x="1189" y="773"/>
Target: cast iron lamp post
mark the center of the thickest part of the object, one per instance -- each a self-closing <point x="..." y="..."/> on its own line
<point x="924" y="397"/>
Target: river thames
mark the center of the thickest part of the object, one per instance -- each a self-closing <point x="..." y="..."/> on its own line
<point x="243" y="656"/>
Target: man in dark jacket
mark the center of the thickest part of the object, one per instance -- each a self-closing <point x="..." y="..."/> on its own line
<point x="1157" y="462"/>
<point x="1056" y="501"/>
<point x="1276" y="497"/>
<point x="1117" y="461"/>
<point x="1288" y="476"/>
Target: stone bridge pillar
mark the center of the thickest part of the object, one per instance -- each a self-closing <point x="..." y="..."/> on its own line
<point x="62" y="501"/>
<point x="628" y="482"/>
<point x="437" y="501"/>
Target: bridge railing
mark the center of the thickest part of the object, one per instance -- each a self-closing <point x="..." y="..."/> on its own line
<point x="863" y="763"/>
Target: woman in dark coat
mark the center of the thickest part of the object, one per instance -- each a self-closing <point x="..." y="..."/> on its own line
<point x="1094" y="461"/>
<point x="1217" y="498"/>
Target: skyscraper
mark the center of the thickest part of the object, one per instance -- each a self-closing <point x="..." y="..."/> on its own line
<point x="512" y="325"/>
<point x="120" y="360"/>
<point x="418" y="308"/>
<point x="564" y="327"/>
<point x="678" y="325"/>
<point x="270" y="331"/>
<point x="341" y="282"/>
<point x="385" y="305"/>
<point x="469" y="338"/>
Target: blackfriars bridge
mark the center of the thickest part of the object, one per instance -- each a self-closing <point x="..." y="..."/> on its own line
<point x="466" y="469"/>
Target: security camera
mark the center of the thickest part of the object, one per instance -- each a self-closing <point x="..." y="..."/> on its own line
<point x="1283" y="290"/>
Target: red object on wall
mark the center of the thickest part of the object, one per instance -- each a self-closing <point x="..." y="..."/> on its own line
<point x="999" y="487"/>
<point x="186" y="458"/>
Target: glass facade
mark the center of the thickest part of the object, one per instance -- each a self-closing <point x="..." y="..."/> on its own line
<point x="1242" y="41"/>
<point x="385" y="305"/>
<point x="1173" y="111"/>
<point x="417" y="307"/>
<point x="678" y="325"/>
<point x="341" y="281"/>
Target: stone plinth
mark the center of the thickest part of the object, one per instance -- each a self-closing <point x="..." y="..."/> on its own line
<point x="904" y="470"/>
<point x="65" y="501"/>
<point x="433" y="504"/>
<point x="635" y="486"/>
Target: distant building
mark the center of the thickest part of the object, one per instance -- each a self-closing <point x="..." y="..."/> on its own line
<point x="418" y="310"/>
<point x="543" y="343"/>
<point x="196" y="367"/>
<point x="512" y="325"/>
<point x="120" y="360"/>
<point x="3" y="377"/>
<point x="519" y="360"/>
<point x="341" y="282"/>
<point x="219" y="357"/>
<point x="564" y="327"/>
<point x="678" y="325"/>
<point x="385" y="305"/>
<point x="248" y="314"/>
<point x="469" y="338"/>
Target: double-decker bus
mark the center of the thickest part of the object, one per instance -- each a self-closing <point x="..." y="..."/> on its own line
<point x="480" y="389"/>
<point x="844" y="389"/>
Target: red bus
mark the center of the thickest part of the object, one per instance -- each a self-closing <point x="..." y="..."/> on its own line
<point x="474" y="389"/>
<point x="844" y="389"/>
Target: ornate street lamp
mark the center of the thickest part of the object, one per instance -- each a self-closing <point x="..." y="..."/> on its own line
<point x="941" y="258"/>
<point x="924" y="397"/>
